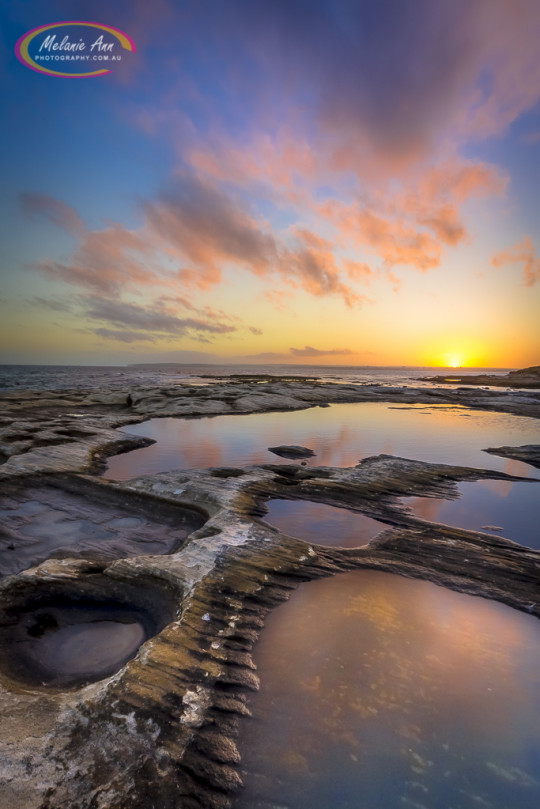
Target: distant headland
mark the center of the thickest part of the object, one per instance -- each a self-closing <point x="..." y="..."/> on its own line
<point x="523" y="378"/>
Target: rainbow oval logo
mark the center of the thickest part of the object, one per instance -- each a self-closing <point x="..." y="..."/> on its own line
<point x="75" y="49"/>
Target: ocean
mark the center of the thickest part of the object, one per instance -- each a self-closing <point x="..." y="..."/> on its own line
<point x="59" y="377"/>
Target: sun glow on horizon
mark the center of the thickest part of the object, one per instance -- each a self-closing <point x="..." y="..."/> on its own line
<point x="453" y="359"/>
<point x="463" y="350"/>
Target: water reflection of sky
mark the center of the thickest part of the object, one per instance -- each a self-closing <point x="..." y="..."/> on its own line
<point x="487" y="505"/>
<point x="381" y="692"/>
<point x="341" y="435"/>
<point x="322" y="524"/>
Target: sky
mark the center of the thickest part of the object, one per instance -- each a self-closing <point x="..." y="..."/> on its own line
<point x="342" y="182"/>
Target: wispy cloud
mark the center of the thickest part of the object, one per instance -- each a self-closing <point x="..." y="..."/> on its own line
<point x="523" y="252"/>
<point x="190" y="234"/>
<point x="302" y="353"/>
<point x="37" y="205"/>
<point x="50" y="303"/>
<point x="208" y="228"/>
<point x="309" y="351"/>
<point x="411" y="222"/>
<point x="124" y="336"/>
<point x="149" y="318"/>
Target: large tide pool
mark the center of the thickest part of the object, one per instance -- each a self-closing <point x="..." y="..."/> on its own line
<point x="498" y="507"/>
<point x="340" y="435"/>
<point x="380" y="692"/>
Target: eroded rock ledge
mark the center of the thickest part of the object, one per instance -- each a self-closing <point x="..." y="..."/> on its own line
<point x="529" y="453"/>
<point x="161" y="730"/>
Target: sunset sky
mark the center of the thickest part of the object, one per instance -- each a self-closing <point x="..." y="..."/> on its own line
<point x="339" y="181"/>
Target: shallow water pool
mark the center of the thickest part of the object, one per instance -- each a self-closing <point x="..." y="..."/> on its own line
<point x="322" y="524"/>
<point x="341" y="435"/>
<point x="40" y="521"/>
<point x="504" y="508"/>
<point x="379" y="692"/>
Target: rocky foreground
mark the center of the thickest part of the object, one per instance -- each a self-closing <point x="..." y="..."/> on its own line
<point x="186" y="567"/>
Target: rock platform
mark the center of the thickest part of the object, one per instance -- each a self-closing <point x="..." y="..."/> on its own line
<point x="160" y="730"/>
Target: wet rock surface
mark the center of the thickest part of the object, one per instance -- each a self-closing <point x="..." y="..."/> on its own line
<point x="152" y="717"/>
<point x="39" y="520"/>
<point x="529" y="453"/>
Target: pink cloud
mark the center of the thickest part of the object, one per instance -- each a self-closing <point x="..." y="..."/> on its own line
<point x="279" y="299"/>
<point x="358" y="271"/>
<point x="109" y="260"/>
<point x="414" y="218"/>
<point x="209" y="229"/>
<point x="197" y="229"/>
<point x="394" y="241"/>
<point x="457" y="180"/>
<point x="445" y="225"/>
<point x="521" y="253"/>
<point x="279" y="162"/>
<point x="314" y="266"/>
<point x="373" y="114"/>
<point x="189" y="236"/>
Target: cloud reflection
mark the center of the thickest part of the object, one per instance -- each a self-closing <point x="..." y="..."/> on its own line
<point x="372" y="683"/>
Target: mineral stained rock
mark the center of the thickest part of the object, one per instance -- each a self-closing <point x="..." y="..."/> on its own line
<point x="147" y="712"/>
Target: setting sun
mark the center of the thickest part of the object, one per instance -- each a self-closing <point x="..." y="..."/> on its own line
<point x="454" y="360"/>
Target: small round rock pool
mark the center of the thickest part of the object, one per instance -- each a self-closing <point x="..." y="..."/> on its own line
<point x="69" y="635"/>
